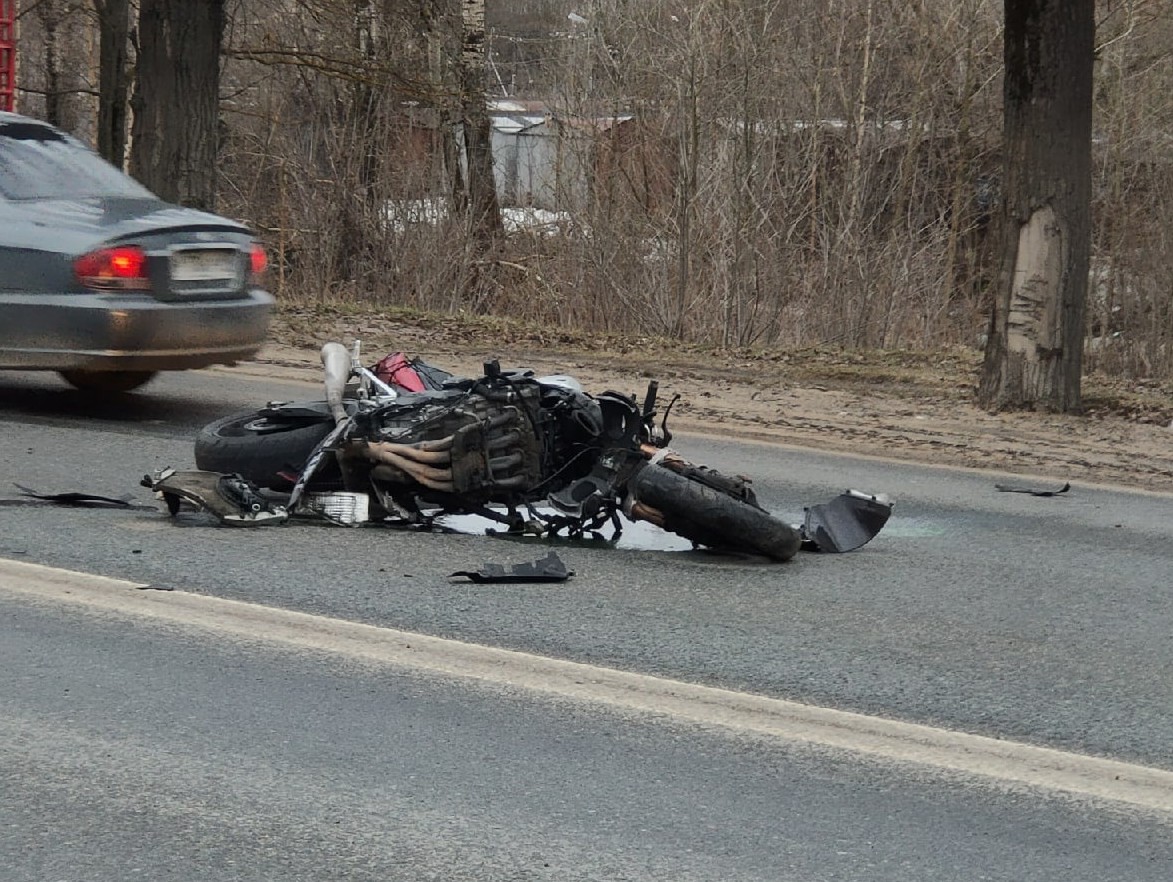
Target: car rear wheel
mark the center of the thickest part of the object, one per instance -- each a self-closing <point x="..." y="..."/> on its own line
<point x="107" y="381"/>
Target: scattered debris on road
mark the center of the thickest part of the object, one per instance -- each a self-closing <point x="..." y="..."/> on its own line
<point x="847" y="522"/>
<point x="547" y="569"/>
<point x="233" y="500"/>
<point x="1033" y="491"/>
<point x="73" y="499"/>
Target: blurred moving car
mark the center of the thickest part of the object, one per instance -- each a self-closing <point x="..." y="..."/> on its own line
<point x="104" y="282"/>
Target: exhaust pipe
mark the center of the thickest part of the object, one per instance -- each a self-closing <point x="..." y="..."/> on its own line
<point x="336" y="361"/>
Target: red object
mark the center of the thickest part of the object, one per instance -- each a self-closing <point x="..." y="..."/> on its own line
<point x="7" y="55"/>
<point x="121" y="269"/>
<point x="396" y="370"/>
<point x="258" y="262"/>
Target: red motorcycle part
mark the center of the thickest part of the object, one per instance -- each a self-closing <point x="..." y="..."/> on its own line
<point x="396" y="370"/>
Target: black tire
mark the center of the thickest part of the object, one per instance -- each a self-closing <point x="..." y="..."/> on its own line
<point x="262" y="449"/>
<point x="709" y="517"/>
<point x="107" y="382"/>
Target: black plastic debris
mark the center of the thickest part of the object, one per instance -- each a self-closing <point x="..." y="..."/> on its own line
<point x="547" y="569"/>
<point x="847" y="522"/>
<point x="232" y="499"/>
<point x="78" y="500"/>
<point x="1033" y="491"/>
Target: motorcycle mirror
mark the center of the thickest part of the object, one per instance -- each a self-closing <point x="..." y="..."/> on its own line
<point x="650" y="400"/>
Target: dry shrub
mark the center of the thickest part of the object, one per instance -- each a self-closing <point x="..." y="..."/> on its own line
<point x="786" y="172"/>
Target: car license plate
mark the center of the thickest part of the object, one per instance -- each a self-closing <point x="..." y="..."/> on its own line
<point x="204" y="265"/>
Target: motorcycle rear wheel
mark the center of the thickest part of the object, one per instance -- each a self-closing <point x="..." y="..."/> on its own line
<point x="263" y="449"/>
<point x="709" y="517"/>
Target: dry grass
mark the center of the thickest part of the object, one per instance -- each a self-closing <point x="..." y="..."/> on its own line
<point x="943" y="375"/>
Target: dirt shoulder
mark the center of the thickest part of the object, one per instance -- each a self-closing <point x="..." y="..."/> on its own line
<point x="903" y="405"/>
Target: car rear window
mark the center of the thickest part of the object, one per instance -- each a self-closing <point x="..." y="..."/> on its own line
<point x="38" y="162"/>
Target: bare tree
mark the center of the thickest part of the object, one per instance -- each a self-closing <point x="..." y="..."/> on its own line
<point x="50" y="14"/>
<point x="177" y="99"/>
<point x="484" y="212"/>
<point x="1034" y="352"/>
<point x="758" y="172"/>
<point x="53" y="77"/>
<point x="113" y="79"/>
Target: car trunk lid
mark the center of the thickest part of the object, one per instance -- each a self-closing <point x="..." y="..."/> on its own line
<point x="191" y="255"/>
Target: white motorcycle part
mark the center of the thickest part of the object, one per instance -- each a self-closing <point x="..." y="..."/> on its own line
<point x="336" y="361"/>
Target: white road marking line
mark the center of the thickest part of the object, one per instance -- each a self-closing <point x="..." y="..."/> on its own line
<point x="1006" y="761"/>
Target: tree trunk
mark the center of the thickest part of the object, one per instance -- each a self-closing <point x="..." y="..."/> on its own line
<point x="177" y="100"/>
<point x="435" y="17"/>
<point x="113" y="85"/>
<point x="54" y="95"/>
<point x="1034" y="351"/>
<point x="357" y="215"/>
<point x="484" y="210"/>
<point x="365" y="99"/>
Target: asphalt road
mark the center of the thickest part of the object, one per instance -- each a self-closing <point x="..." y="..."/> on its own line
<point x="190" y="755"/>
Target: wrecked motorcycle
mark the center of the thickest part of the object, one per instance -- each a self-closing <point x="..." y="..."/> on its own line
<point x="403" y="442"/>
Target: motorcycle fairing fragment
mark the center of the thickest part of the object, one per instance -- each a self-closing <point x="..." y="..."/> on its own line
<point x="1033" y="491"/>
<point x="396" y="369"/>
<point x="75" y="499"/>
<point x="547" y="569"/>
<point x="847" y="522"/>
<point x="232" y="499"/>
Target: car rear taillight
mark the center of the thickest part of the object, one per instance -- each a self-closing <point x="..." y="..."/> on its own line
<point x="258" y="263"/>
<point x="114" y="269"/>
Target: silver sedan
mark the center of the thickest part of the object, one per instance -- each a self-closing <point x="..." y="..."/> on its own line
<point x="105" y="283"/>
